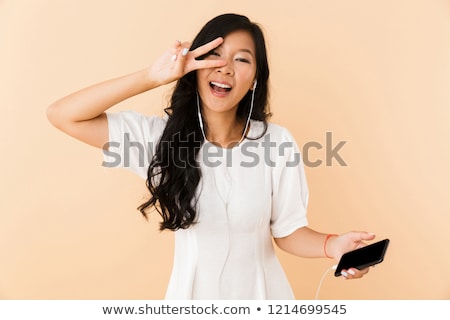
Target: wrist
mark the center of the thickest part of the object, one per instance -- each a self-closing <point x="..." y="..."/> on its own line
<point x="328" y="247"/>
<point x="149" y="80"/>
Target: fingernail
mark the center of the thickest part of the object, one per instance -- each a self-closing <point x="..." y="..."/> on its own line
<point x="351" y="272"/>
<point x="185" y="51"/>
<point x="345" y="274"/>
<point x="174" y="57"/>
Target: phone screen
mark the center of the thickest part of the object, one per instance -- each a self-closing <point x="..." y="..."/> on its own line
<point x="363" y="257"/>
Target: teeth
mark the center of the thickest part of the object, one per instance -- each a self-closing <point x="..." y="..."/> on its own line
<point x="220" y="85"/>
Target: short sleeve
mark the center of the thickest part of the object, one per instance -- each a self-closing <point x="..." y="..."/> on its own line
<point x="132" y="141"/>
<point x="289" y="189"/>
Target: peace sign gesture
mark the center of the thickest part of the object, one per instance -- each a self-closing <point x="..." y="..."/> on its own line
<point x="178" y="61"/>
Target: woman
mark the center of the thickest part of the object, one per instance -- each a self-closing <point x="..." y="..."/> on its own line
<point x="221" y="176"/>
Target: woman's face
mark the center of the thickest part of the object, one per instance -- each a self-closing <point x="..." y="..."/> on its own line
<point x="222" y="88"/>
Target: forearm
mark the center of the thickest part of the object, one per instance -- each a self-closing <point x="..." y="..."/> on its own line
<point x="304" y="242"/>
<point x="89" y="103"/>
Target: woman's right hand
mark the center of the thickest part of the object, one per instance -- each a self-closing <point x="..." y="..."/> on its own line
<point x="82" y="113"/>
<point x="178" y="61"/>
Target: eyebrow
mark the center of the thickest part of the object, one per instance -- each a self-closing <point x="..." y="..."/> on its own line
<point x="246" y="50"/>
<point x="240" y="50"/>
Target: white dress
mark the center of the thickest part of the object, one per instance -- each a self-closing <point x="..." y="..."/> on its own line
<point x="247" y="195"/>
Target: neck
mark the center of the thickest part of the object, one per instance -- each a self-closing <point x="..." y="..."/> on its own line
<point x="224" y="129"/>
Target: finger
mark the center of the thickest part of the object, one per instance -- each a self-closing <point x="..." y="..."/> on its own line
<point x="344" y="274"/>
<point x="175" y="50"/>
<point x="175" y="46"/>
<point x="207" y="47"/>
<point x="181" y="55"/>
<point x="177" y="43"/>
<point x="364" y="271"/>
<point x="358" y="273"/>
<point x="366" y="236"/>
<point x="353" y="273"/>
<point x="204" y="64"/>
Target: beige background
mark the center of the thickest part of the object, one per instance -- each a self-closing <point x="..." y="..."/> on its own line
<point x="375" y="73"/>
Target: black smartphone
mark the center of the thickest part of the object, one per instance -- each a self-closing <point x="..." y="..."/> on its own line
<point x="363" y="257"/>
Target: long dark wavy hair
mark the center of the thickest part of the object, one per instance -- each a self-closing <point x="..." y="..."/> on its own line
<point x="174" y="172"/>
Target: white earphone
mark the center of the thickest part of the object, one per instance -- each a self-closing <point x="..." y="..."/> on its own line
<point x="254" y="84"/>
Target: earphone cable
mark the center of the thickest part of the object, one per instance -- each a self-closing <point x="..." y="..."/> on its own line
<point x="321" y="280"/>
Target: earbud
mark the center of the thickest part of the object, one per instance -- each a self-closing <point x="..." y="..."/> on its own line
<point x="254" y="84"/>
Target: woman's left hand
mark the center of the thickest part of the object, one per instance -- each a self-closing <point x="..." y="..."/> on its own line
<point x="354" y="273"/>
<point x="339" y="245"/>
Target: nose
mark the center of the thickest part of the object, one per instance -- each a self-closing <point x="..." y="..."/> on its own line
<point x="226" y="69"/>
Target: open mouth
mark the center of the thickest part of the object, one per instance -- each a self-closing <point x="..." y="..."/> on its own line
<point x="220" y="87"/>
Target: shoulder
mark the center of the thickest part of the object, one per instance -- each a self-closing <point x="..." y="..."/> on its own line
<point x="270" y="131"/>
<point x="131" y="126"/>
<point x="131" y="120"/>
<point x="279" y="131"/>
